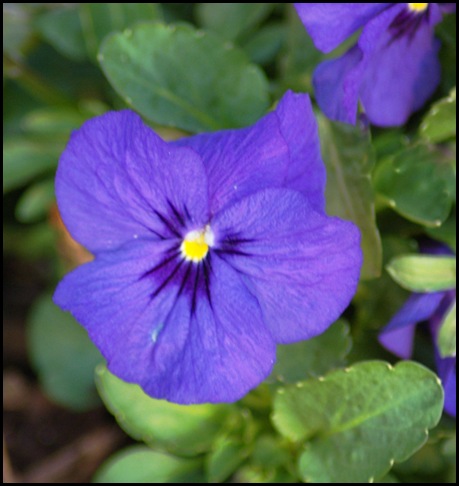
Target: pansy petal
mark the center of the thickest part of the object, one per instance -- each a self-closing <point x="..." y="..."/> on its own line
<point x="417" y="308"/>
<point x="112" y="301"/>
<point x="281" y="150"/>
<point x="227" y="351"/>
<point x="329" y="24"/>
<point x="302" y="265"/>
<point x="116" y="177"/>
<point x="399" y="341"/>
<point x="446" y="368"/>
<point x="239" y="162"/>
<point x="306" y="170"/>
<point x="337" y="85"/>
<point x="447" y="7"/>
<point x="398" y="335"/>
<point x="432" y="247"/>
<point x="403" y="68"/>
<point x="214" y="350"/>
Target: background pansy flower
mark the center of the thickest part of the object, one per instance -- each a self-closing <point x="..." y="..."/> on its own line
<point x="398" y="335"/>
<point x="208" y="251"/>
<point x="392" y="69"/>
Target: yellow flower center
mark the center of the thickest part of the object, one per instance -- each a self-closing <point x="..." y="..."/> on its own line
<point x="196" y="244"/>
<point x="418" y="7"/>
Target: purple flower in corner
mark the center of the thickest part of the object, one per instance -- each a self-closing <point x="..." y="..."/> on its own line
<point x="208" y="250"/>
<point x="392" y="69"/>
<point x="398" y="335"/>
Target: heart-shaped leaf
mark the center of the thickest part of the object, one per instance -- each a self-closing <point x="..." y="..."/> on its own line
<point x="185" y="78"/>
<point x="139" y="464"/>
<point x="355" y="423"/>
<point x="185" y="429"/>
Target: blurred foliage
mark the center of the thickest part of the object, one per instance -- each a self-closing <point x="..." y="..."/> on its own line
<point x="199" y="67"/>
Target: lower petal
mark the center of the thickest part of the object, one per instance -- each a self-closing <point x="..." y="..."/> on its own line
<point x="224" y="348"/>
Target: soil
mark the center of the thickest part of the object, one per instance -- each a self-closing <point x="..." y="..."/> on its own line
<point x="42" y="441"/>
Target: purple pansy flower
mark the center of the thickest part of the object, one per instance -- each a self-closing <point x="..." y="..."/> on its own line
<point x="208" y="250"/>
<point x="398" y="335"/>
<point x="392" y="69"/>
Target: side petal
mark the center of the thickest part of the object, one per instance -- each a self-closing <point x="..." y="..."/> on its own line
<point x="398" y="335"/>
<point x="403" y="68"/>
<point x="329" y="24"/>
<point x="117" y="179"/>
<point x="337" y="85"/>
<point x="213" y="350"/>
<point x="112" y="301"/>
<point x="447" y="7"/>
<point x="302" y="265"/>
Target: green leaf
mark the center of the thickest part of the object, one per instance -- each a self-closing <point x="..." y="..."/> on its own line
<point x="446" y="31"/>
<point x="232" y="20"/>
<point x="355" y="423"/>
<point x="349" y="158"/>
<point x="418" y="183"/>
<point x="301" y="56"/>
<point x="182" y="77"/>
<point x="17" y="30"/>
<point x="31" y="242"/>
<point x="63" y="355"/>
<point x="60" y="121"/>
<point x="447" y="334"/>
<point x="35" y="202"/>
<point x="77" y="32"/>
<point x="269" y="452"/>
<point x="440" y="122"/>
<point x="378" y="300"/>
<point x="24" y="159"/>
<point x="139" y="464"/>
<point x="423" y="273"/>
<point x="446" y="232"/>
<point x="313" y="357"/>
<point x="62" y="29"/>
<point x="184" y="429"/>
<point x="224" y="459"/>
<point x="265" y="44"/>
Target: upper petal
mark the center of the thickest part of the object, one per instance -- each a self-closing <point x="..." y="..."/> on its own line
<point x="391" y="71"/>
<point x="280" y="150"/>
<point x="329" y="24"/>
<point x="182" y="343"/>
<point x="302" y="265"/>
<point x="403" y="69"/>
<point x="305" y="170"/>
<point x="118" y="181"/>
